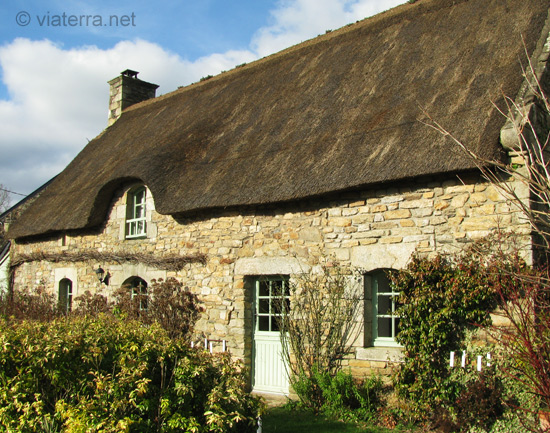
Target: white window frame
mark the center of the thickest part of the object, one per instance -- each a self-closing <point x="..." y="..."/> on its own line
<point x="372" y="280"/>
<point x="136" y="224"/>
<point x="269" y="299"/>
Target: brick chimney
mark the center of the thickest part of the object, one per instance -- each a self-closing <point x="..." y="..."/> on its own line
<point x="125" y="90"/>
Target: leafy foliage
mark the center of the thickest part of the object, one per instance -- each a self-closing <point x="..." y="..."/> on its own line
<point x="523" y="331"/>
<point x="480" y="402"/>
<point x="487" y="400"/>
<point x="89" y="304"/>
<point x="342" y="397"/>
<point x="83" y="374"/>
<point x="440" y="300"/>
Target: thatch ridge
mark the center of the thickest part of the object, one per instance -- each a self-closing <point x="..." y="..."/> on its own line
<point x="334" y="113"/>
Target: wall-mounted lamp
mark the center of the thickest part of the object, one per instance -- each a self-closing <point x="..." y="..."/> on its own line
<point x="102" y="276"/>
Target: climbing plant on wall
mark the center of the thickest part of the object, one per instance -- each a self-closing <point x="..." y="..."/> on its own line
<point x="440" y="299"/>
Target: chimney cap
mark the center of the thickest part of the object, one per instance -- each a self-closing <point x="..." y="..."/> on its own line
<point x="130" y="73"/>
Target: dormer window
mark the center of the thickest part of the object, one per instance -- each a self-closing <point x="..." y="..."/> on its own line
<point x="136" y="226"/>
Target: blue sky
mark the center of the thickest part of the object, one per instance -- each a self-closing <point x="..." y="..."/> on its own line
<point x="56" y="57"/>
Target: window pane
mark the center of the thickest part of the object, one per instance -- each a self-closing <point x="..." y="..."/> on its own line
<point x="383" y="283"/>
<point x="263" y="323"/>
<point x="384" y="327"/>
<point x="385" y="324"/>
<point x="69" y="295"/>
<point x="263" y="306"/>
<point x="63" y="296"/>
<point x="271" y="301"/>
<point x="278" y="304"/>
<point x="135" y="213"/>
<point x="138" y="293"/>
<point x="139" y="197"/>
<point x="278" y="288"/>
<point x="384" y="304"/>
<point x="264" y="288"/>
<point x="141" y="287"/>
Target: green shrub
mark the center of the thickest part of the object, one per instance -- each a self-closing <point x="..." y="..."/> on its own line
<point x="340" y="396"/>
<point x="480" y="403"/>
<point x="439" y="301"/>
<point x="489" y="400"/>
<point x="445" y="302"/>
<point x="106" y="374"/>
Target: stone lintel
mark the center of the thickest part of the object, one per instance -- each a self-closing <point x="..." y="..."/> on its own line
<point x="381" y="354"/>
<point x="270" y="266"/>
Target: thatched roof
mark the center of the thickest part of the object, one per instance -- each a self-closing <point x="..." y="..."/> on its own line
<point x="335" y="113"/>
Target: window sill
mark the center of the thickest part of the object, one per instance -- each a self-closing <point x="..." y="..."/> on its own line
<point x="384" y="354"/>
<point x="132" y="238"/>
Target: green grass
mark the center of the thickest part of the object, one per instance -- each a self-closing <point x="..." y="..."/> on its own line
<point x="281" y="419"/>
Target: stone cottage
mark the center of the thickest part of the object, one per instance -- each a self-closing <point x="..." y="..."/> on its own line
<point x="237" y="182"/>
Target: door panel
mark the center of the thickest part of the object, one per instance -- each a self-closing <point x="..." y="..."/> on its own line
<point x="269" y="372"/>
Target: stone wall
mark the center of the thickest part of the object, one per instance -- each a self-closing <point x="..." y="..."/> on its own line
<point x="370" y="229"/>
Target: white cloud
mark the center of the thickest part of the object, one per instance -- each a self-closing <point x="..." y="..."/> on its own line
<point x="295" y="21"/>
<point x="58" y="97"/>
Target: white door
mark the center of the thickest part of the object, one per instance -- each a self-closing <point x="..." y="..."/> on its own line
<point x="269" y="372"/>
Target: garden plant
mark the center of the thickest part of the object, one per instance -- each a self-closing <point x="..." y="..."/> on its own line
<point x="318" y="329"/>
<point x="99" y="370"/>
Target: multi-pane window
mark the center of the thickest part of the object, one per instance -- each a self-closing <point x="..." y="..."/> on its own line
<point x="65" y="295"/>
<point x="138" y="293"/>
<point x="136" y="225"/>
<point x="385" y="321"/>
<point x="272" y="298"/>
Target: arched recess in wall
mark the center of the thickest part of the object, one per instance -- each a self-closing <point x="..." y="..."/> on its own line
<point x="65" y="295"/>
<point x="137" y="291"/>
<point x="104" y="198"/>
<point x="65" y="286"/>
